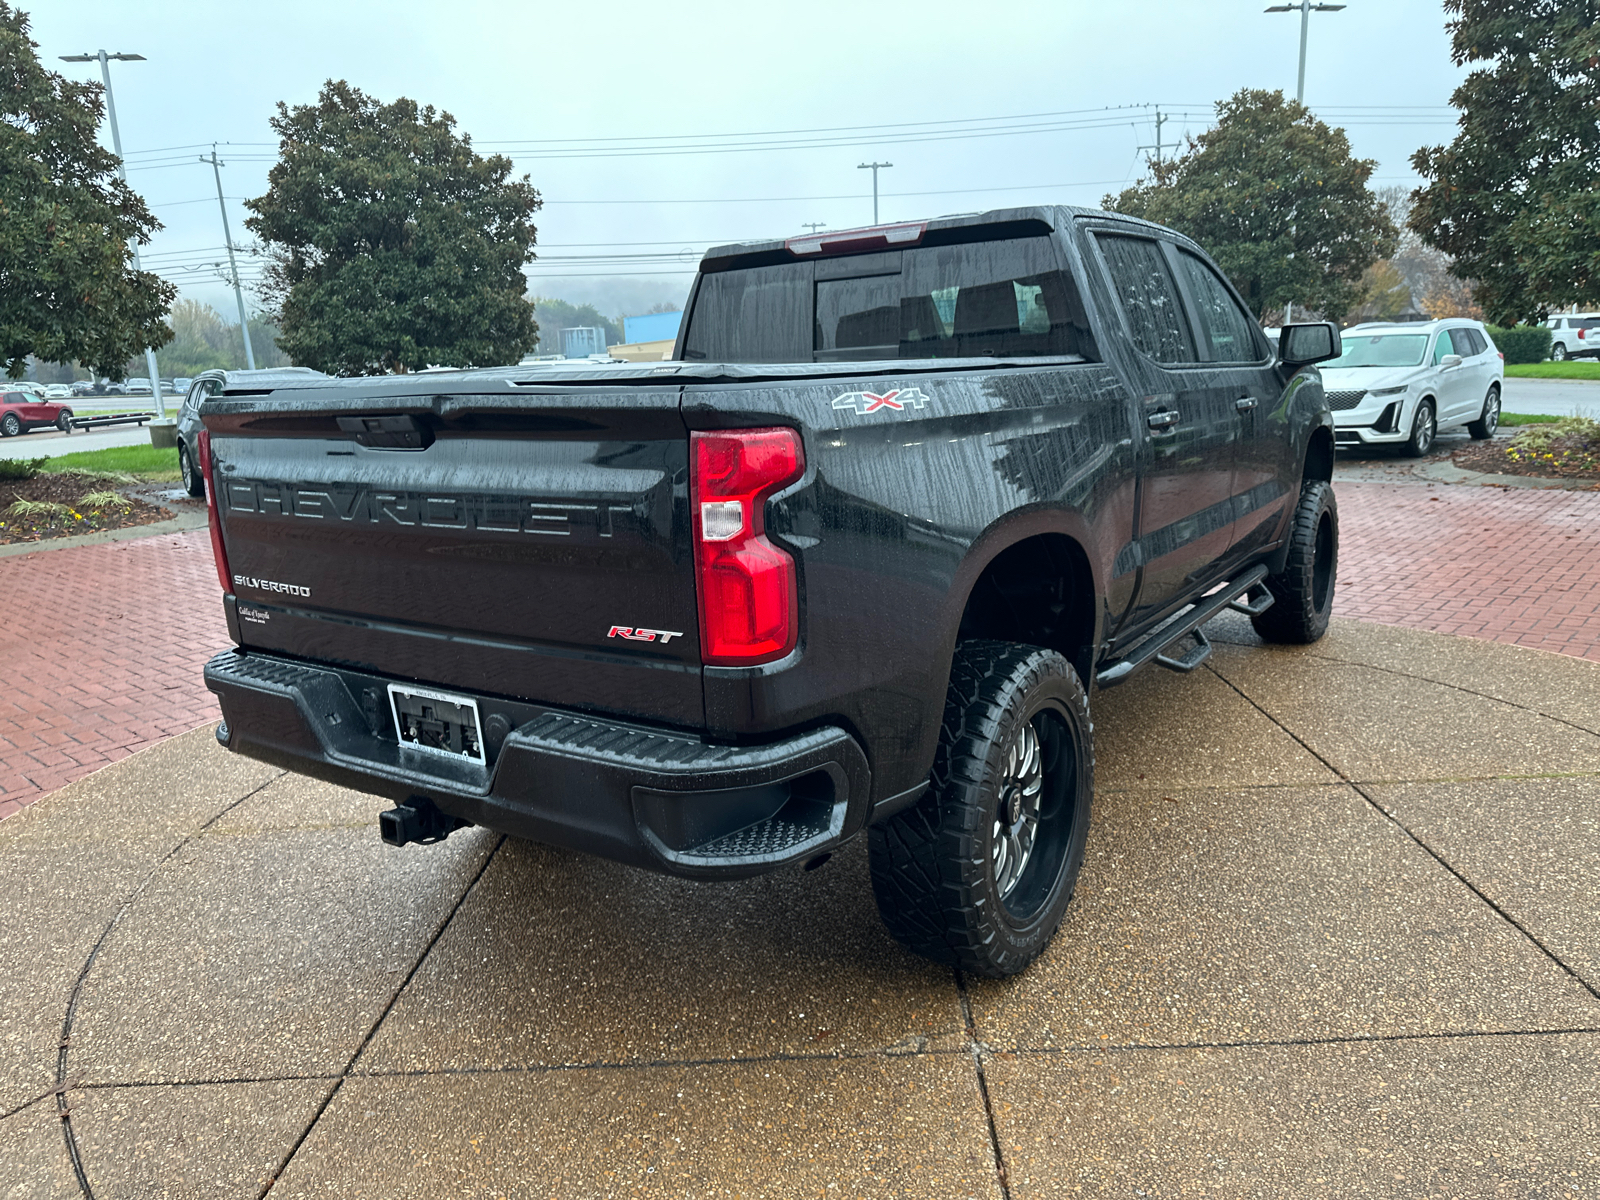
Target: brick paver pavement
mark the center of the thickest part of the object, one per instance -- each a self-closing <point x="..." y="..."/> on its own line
<point x="1518" y="566"/>
<point x="100" y="655"/>
<point x="101" y="646"/>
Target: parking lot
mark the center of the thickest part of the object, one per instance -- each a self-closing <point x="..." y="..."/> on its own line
<point x="1335" y="935"/>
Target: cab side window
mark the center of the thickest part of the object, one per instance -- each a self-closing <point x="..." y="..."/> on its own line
<point x="1148" y="297"/>
<point x="1442" y="346"/>
<point x="1226" y="329"/>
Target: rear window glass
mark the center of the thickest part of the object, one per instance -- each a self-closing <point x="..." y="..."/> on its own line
<point x="1001" y="299"/>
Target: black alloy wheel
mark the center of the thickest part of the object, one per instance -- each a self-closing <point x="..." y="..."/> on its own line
<point x="978" y="873"/>
<point x="1424" y="428"/>
<point x="1489" y="421"/>
<point x="1302" y="593"/>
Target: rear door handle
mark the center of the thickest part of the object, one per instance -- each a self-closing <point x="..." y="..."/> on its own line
<point x="1245" y="403"/>
<point x="1162" y="420"/>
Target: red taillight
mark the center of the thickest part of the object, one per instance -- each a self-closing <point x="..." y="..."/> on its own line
<point x="214" y="518"/>
<point x="748" y="600"/>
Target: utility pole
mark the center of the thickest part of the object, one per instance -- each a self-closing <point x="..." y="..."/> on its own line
<point x="874" y="167"/>
<point x="233" y="266"/>
<point x="813" y="225"/>
<point x="1305" y="8"/>
<point x="1160" y="121"/>
<point x="104" y="60"/>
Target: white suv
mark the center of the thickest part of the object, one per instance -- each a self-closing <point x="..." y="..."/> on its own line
<point x="1398" y="383"/>
<point x="1574" y="335"/>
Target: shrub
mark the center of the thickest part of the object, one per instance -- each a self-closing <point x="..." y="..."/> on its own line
<point x="1523" y="344"/>
<point x="106" y="499"/>
<point x="15" y="469"/>
<point x="1569" y="442"/>
<point x="35" y="510"/>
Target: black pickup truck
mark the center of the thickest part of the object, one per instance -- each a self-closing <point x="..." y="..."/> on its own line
<point x="855" y="560"/>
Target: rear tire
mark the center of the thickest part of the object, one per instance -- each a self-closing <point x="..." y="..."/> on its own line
<point x="978" y="873"/>
<point x="1424" y="429"/>
<point x="64" y="421"/>
<point x="1484" y="427"/>
<point x="10" y="425"/>
<point x="193" y="482"/>
<point x="1302" y="592"/>
<point x="1558" y="353"/>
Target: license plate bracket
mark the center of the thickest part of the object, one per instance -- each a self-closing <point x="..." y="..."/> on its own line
<point x="442" y="723"/>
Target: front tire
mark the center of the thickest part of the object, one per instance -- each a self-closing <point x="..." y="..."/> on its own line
<point x="978" y="873"/>
<point x="193" y="482"/>
<point x="1424" y="428"/>
<point x="1302" y="593"/>
<point x="1484" y="427"/>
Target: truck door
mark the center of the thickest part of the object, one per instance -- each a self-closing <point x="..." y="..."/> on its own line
<point x="1244" y="381"/>
<point x="1189" y="432"/>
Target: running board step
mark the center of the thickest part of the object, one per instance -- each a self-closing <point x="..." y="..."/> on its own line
<point x="1234" y="595"/>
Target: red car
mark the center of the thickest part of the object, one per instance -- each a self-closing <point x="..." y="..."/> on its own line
<point x="21" y="411"/>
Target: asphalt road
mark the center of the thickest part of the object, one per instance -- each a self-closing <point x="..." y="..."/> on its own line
<point x="49" y="444"/>
<point x="1552" y="397"/>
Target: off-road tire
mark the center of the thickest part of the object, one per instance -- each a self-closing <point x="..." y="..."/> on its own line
<point x="933" y="867"/>
<point x="10" y="425"/>
<point x="1424" y="431"/>
<point x="1483" y="428"/>
<point x="64" y="420"/>
<point x="193" y="482"/>
<point x="1302" y="592"/>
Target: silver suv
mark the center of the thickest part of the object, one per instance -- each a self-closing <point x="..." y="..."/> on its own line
<point x="1398" y="383"/>
<point x="209" y="383"/>
<point x="1574" y="335"/>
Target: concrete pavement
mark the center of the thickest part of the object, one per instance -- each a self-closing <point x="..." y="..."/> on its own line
<point x="1336" y="936"/>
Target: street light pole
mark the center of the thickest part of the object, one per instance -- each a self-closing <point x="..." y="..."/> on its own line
<point x="233" y="266"/>
<point x="873" y="167"/>
<point x="104" y="60"/>
<point x="1305" y="8"/>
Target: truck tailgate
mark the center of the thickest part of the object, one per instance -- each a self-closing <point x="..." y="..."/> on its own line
<point x="486" y="543"/>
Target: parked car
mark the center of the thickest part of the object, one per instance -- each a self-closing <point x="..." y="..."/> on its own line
<point x="1574" y="335"/>
<point x="209" y="383"/>
<point x="852" y="565"/>
<point x="21" y="412"/>
<point x="138" y="387"/>
<point x="81" y="387"/>
<point x="180" y="385"/>
<point x="57" y="391"/>
<point x="1397" y="384"/>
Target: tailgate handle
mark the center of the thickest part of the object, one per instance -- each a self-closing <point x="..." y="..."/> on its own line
<point x="1163" y="420"/>
<point x="389" y="433"/>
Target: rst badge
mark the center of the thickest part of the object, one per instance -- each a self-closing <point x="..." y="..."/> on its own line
<point x="870" y="402"/>
<point x="642" y="635"/>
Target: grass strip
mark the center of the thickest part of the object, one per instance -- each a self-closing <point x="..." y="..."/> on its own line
<point x="145" y="462"/>
<point x="1554" y="370"/>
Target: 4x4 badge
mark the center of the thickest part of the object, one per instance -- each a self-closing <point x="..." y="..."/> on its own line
<point x="870" y="402"/>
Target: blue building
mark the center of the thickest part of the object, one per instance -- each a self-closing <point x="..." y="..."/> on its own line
<point x="656" y="327"/>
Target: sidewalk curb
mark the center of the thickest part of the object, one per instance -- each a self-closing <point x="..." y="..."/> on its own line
<point x="181" y="523"/>
<point x="1444" y="472"/>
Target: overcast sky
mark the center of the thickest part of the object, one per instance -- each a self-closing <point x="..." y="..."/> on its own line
<point x="978" y="105"/>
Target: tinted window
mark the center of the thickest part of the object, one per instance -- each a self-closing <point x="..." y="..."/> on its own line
<point x="754" y="316"/>
<point x="1472" y="340"/>
<point x="1006" y="298"/>
<point x="1443" y="346"/>
<point x="1225" y="327"/>
<point x="1149" y="300"/>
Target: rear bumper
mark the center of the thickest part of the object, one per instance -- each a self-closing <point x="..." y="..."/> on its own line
<point x="664" y="801"/>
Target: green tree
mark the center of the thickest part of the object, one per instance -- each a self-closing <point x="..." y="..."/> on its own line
<point x="1275" y="197"/>
<point x="393" y="246"/>
<point x="555" y="315"/>
<point x="67" y="287"/>
<point x="1515" y="198"/>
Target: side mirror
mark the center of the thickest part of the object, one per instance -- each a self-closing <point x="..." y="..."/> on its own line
<point x="1450" y="360"/>
<point x="1299" y="345"/>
